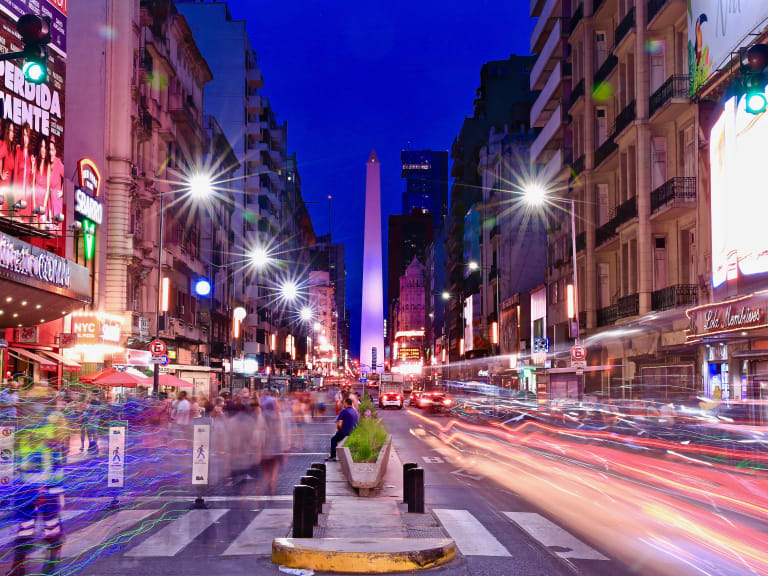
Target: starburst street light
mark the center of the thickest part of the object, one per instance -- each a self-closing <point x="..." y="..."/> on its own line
<point x="535" y="194"/>
<point x="289" y="290"/>
<point x="200" y="186"/>
<point x="474" y="266"/>
<point x="446" y="295"/>
<point x="306" y="314"/>
<point x="260" y="258"/>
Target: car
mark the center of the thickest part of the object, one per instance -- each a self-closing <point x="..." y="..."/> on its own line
<point x="424" y="400"/>
<point x="413" y="398"/>
<point x="391" y="399"/>
<point x="440" y="402"/>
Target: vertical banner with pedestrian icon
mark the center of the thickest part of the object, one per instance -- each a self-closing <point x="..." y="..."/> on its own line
<point x="116" y="455"/>
<point x="201" y="450"/>
<point x="7" y="454"/>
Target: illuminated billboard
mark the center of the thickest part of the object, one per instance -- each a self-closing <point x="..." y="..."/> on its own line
<point x="32" y="123"/>
<point x="739" y="202"/>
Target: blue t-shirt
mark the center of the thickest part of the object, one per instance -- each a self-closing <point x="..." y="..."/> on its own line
<point x="349" y="419"/>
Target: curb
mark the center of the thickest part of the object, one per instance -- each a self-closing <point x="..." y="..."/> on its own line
<point x="363" y="555"/>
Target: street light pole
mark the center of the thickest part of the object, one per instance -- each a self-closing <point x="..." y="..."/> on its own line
<point x="156" y="375"/>
<point x="575" y="273"/>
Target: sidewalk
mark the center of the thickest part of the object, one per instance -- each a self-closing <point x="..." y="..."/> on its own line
<point x="372" y="534"/>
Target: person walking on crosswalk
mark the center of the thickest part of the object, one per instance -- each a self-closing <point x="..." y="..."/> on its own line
<point x="39" y="489"/>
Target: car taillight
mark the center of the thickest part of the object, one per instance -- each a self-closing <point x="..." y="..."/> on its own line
<point x="397" y="397"/>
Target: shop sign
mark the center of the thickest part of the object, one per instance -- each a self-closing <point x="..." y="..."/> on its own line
<point x="25" y="259"/>
<point x="138" y="357"/>
<point x="37" y="111"/>
<point x="409" y="354"/>
<point x="746" y="313"/>
<point x="95" y="329"/>
<point x="88" y="177"/>
<point x="67" y="340"/>
<point x="27" y="335"/>
<point x="88" y="207"/>
<point x="716" y="29"/>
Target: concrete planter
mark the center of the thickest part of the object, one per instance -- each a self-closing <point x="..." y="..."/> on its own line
<point x="365" y="476"/>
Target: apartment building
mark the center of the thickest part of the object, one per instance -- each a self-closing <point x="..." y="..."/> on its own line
<point x="633" y="182"/>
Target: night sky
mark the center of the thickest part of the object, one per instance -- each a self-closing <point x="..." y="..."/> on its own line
<point x="349" y="76"/>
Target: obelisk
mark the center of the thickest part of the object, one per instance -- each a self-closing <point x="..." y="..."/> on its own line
<point x="372" y="313"/>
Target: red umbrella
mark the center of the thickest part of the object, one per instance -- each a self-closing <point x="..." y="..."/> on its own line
<point x="99" y="374"/>
<point x="169" y="380"/>
<point x="123" y="379"/>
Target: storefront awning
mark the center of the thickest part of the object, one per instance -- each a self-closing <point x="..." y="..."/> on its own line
<point x="46" y="364"/>
<point x="69" y="365"/>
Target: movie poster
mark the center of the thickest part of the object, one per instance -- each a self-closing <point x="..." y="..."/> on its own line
<point x="32" y="123"/>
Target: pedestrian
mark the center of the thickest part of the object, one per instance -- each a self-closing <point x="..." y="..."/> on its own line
<point x="181" y="411"/>
<point x="339" y="401"/>
<point x="39" y="489"/>
<point x="195" y="410"/>
<point x="9" y="401"/>
<point x="346" y="421"/>
<point x="92" y="420"/>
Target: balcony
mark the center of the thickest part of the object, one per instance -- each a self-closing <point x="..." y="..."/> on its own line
<point x="548" y="99"/>
<point x="550" y="137"/>
<point x="675" y="90"/>
<point x="628" y="306"/>
<point x="607" y="316"/>
<point x="581" y="242"/>
<point x="544" y="25"/>
<point x="606" y="68"/>
<point x="254" y="78"/>
<point x="576" y="18"/>
<point x="662" y="14"/>
<point x="184" y="112"/>
<point x="625" y="117"/>
<point x="605" y="150"/>
<point x="255" y="104"/>
<point x="605" y="233"/>
<point x="674" y="296"/>
<point x="578" y="165"/>
<point x="626" y="24"/>
<point x="547" y="58"/>
<point x="626" y="211"/>
<point x="577" y="92"/>
<point x="674" y="195"/>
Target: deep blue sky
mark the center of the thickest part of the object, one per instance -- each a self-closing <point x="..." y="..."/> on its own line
<point x="349" y="76"/>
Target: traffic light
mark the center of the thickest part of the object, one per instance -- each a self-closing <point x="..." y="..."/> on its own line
<point x="753" y="65"/>
<point x="35" y="33"/>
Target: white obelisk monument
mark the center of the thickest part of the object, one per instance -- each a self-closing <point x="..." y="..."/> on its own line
<point x="372" y="313"/>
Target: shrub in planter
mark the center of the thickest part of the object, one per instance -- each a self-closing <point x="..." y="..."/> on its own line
<point x="366" y="440"/>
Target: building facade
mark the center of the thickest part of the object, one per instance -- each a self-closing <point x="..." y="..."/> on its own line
<point x="426" y="183"/>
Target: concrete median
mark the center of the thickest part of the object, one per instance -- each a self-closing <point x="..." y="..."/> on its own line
<point x="363" y="555"/>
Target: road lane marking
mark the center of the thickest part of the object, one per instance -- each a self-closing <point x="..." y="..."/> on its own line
<point x="258" y="535"/>
<point x="471" y="537"/>
<point x="551" y="535"/>
<point x="98" y="533"/>
<point x="463" y="472"/>
<point x="178" y="534"/>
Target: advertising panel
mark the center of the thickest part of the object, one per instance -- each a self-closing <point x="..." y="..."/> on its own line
<point x="716" y="29"/>
<point x="32" y="122"/>
<point x="737" y="157"/>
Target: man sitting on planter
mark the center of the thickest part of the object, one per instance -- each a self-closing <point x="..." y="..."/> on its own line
<point x="346" y="421"/>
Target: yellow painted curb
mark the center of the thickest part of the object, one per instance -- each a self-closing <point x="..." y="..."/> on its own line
<point x="362" y="555"/>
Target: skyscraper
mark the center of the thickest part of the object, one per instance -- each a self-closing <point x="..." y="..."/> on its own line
<point x="426" y="183"/>
<point x="372" y="313"/>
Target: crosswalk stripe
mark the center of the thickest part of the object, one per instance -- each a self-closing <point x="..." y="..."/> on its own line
<point x="471" y="537"/>
<point x="178" y="534"/>
<point x="102" y="531"/>
<point x="551" y="535"/>
<point x="258" y="535"/>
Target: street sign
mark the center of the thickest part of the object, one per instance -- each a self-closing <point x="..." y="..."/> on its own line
<point x="116" y="456"/>
<point x="7" y="456"/>
<point x="578" y="352"/>
<point x="158" y="348"/>
<point x="579" y="364"/>
<point x="157" y="360"/>
<point x="201" y="448"/>
<point x="164" y="360"/>
<point x="540" y="345"/>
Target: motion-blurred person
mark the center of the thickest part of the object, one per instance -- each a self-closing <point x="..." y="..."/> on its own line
<point x="39" y="487"/>
<point x="92" y="416"/>
<point x="274" y="435"/>
<point x="9" y="401"/>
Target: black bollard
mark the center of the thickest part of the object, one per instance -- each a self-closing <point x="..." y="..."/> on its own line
<point x="320" y="475"/>
<point x="415" y="484"/>
<point x="303" y="511"/>
<point x="315" y="483"/>
<point x="406" y="493"/>
<point x="319" y="466"/>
